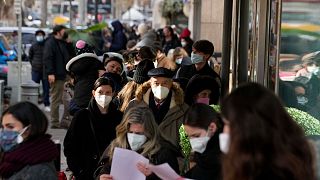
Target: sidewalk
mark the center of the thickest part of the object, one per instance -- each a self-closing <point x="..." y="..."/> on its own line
<point x="58" y="136"/>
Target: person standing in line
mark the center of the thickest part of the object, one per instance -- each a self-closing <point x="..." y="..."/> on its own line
<point x="203" y="126"/>
<point x="165" y="98"/>
<point x="26" y="150"/>
<point x="202" y="51"/>
<point x="202" y="89"/>
<point x="84" y="69"/>
<point x="170" y="40"/>
<point x="138" y="132"/>
<point x="91" y="130"/>
<point x="56" y="56"/>
<point x="119" y="39"/>
<point x="37" y="67"/>
<point x="260" y="139"/>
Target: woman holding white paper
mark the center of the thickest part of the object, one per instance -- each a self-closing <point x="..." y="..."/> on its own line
<point x="203" y="125"/>
<point x="138" y="131"/>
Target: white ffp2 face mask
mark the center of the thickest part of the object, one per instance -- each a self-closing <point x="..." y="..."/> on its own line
<point x="199" y="144"/>
<point x="103" y="100"/>
<point x="160" y="92"/>
<point x="224" y="142"/>
<point x="312" y="69"/>
<point x="136" y="140"/>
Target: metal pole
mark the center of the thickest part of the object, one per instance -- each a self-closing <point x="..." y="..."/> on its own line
<point x="226" y="48"/>
<point x="82" y="12"/>
<point x="243" y="41"/>
<point x="278" y="45"/>
<point x="96" y="11"/>
<point x="112" y="10"/>
<point x="235" y="45"/>
<point x="44" y="13"/>
<point x="70" y="14"/>
<point x="19" y="51"/>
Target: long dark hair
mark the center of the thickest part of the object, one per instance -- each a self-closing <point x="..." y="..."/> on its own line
<point x="29" y="114"/>
<point x="201" y="115"/>
<point x="265" y="142"/>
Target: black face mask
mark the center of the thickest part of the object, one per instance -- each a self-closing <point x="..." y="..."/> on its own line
<point x="65" y="36"/>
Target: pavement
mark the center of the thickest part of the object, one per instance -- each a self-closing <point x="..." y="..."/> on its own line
<point x="58" y="137"/>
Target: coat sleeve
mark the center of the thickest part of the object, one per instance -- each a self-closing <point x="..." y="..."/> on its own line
<point x="104" y="165"/>
<point x="72" y="145"/>
<point x="118" y="43"/>
<point x="48" y="57"/>
<point x="31" y="53"/>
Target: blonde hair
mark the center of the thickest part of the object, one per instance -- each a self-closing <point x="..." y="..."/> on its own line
<point x="179" y="51"/>
<point x="137" y="115"/>
<point x="126" y="94"/>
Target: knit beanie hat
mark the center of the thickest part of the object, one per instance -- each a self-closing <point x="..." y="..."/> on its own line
<point x="185" y="33"/>
<point x="83" y="47"/>
<point x="141" y="74"/>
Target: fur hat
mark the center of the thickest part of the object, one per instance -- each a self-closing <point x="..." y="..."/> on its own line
<point x="83" y="51"/>
<point x="199" y="83"/>
<point x="141" y="74"/>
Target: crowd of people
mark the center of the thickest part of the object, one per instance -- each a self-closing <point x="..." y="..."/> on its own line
<point x="136" y="95"/>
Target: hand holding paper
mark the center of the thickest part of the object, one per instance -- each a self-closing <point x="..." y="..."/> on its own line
<point x="124" y="165"/>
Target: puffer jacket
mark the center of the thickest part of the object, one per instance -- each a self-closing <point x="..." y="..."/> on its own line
<point x="35" y="56"/>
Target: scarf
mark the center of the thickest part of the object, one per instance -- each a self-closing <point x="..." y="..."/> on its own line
<point x="31" y="152"/>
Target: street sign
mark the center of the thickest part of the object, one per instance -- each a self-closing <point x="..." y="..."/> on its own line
<point x="17" y="6"/>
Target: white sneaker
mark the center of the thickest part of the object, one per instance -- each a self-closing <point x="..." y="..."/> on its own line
<point x="47" y="108"/>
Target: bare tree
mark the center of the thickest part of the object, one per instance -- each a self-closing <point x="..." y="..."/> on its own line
<point x="7" y="12"/>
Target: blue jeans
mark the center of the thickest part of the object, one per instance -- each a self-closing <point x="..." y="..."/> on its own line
<point x="37" y="77"/>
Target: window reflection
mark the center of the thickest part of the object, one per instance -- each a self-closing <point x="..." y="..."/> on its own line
<point x="299" y="55"/>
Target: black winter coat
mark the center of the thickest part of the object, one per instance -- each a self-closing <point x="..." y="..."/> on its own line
<point x="81" y="149"/>
<point x="56" y="55"/>
<point x="84" y="68"/>
<point x="185" y="73"/>
<point x="172" y="44"/>
<point x="208" y="164"/>
<point x="35" y="56"/>
<point x="119" y="39"/>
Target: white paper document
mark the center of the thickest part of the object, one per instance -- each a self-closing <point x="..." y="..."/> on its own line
<point x="124" y="165"/>
<point x="164" y="171"/>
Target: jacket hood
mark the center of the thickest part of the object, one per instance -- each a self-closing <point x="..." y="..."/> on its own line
<point x="144" y="90"/>
<point x="117" y="26"/>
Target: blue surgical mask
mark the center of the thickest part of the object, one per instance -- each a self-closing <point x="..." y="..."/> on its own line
<point x="196" y="58"/>
<point x="9" y="139"/>
<point x="39" y="38"/>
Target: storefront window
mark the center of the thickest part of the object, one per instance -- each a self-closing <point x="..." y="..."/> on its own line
<point x="299" y="84"/>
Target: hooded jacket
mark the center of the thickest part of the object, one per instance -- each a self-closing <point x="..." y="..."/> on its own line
<point x="119" y="39"/>
<point x="84" y="68"/>
<point x="169" y="127"/>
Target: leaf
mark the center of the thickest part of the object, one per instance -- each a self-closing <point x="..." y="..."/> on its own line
<point x="96" y="27"/>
